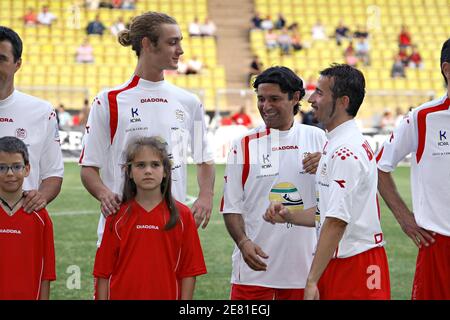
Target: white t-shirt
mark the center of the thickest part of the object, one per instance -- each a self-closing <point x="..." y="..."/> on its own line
<point x="34" y="122"/>
<point x="266" y="165"/>
<point x="144" y="108"/>
<point x="424" y="132"/>
<point x="347" y="181"/>
<point x="46" y="18"/>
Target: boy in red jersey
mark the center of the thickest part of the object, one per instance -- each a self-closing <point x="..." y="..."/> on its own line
<point x="26" y="240"/>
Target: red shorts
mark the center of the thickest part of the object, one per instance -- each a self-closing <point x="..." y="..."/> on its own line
<point x="364" y="276"/>
<point x="248" y="292"/>
<point x="432" y="278"/>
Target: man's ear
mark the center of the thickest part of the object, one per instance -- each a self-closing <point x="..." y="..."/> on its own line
<point x="18" y="64"/>
<point x="446" y="70"/>
<point x="26" y="171"/>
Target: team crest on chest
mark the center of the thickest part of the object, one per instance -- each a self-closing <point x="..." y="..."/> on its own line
<point x="21" y="133"/>
<point x="179" y="115"/>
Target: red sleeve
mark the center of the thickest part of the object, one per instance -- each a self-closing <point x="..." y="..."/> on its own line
<point x="192" y="262"/>
<point x="108" y="253"/>
<point x="49" y="248"/>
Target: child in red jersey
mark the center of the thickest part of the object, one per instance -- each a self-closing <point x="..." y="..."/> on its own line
<point x="26" y="240"/>
<point x="150" y="248"/>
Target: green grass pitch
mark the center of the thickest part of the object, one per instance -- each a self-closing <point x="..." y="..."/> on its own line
<point x="75" y="215"/>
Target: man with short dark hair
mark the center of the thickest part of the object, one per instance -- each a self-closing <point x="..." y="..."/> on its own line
<point x="266" y="165"/>
<point x="33" y="121"/>
<point x="424" y="133"/>
<point x="350" y="261"/>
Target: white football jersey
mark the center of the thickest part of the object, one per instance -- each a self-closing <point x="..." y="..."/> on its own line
<point x="347" y="180"/>
<point x="34" y="122"/>
<point x="144" y="108"/>
<point x="266" y="165"/>
<point x="425" y="133"/>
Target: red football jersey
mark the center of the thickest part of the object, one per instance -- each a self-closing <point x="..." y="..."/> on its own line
<point x="141" y="259"/>
<point x="27" y="254"/>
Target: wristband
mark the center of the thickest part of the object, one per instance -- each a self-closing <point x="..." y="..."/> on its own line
<point x="241" y="243"/>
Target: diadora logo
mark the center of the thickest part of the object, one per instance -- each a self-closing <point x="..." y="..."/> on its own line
<point x="6" y="120"/>
<point x="341" y="183"/>
<point x="282" y="148"/>
<point x="442" y="138"/>
<point x="135" y="115"/>
<point x="146" y="100"/>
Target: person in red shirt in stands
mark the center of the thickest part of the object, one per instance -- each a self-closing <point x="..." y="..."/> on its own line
<point x="26" y="239"/>
<point x="404" y="38"/>
<point x="242" y="118"/>
<point x="415" y="59"/>
<point x="150" y="249"/>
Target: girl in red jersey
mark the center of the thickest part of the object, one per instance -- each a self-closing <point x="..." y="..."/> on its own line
<point x="150" y="248"/>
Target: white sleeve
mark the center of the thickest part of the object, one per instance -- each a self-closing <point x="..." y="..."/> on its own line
<point x="201" y="149"/>
<point x="402" y="142"/>
<point x="97" y="136"/>
<point x="51" y="161"/>
<point x="345" y="170"/>
<point x="233" y="191"/>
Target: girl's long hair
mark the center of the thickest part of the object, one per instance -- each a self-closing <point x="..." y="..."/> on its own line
<point x="130" y="189"/>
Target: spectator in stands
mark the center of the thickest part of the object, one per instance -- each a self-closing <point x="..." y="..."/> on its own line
<point x="208" y="28"/>
<point x="129" y="4"/>
<point x="182" y="66"/>
<point x="341" y="32"/>
<point x="284" y="41"/>
<point x="404" y="38"/>
<point x="84" y="114"/>
<point x="296" y="40"/>
<point x="256" y="68"/>
<point x="267" y="23"/>
<point x="362" y="51"/>
<point x="117" y="26"/>
<point x="85" y="52"/>
<point x="310" y="85"/>
<point x="242" y="118"/>
<point x="280" y="23"/>
<point x="361" y="32"/>
<point x="350" y="55"/>
<point x="96" y="26"/>
<point x="45" y="17"/>
<point x="256" y="21"/>
<point x="116" y="4"/>
<point x="91" y="4"/>
<point x="65" y="119"/>
<point x="271" y="39"/>
<point x="318" y="31"/>
<point x="399" y="115"/>
<point x="415" y="59"/>
<point x="387" y="121"/>
<point x="194" y="28"/>
<point x="403" y="54"/>
<point x="398" y="68"/>
<point x="30" y="17"/>
<point x="194" y="65"/>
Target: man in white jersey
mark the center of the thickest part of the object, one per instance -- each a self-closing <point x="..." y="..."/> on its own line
<point x="425" y="133"/>
<point x="265" y="165"/>
<point x="34" y="122"/>
<point x="146" y="105"/>
<point x="350" y="261"/>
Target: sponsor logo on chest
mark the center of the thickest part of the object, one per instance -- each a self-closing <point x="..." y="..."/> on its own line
<point x="2" y="119"/>
<point x="154" y="100"/>
<point x="442" y="138"/>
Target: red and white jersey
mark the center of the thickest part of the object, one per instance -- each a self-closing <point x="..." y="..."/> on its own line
<point x="144" y="108"/>
<point x="347" y="180"/>
<point x="141" y="259"/>
<point x="34" y="122"/>
<point x="27" y="254"/>
<point x="425" y="133"/>
<point x="266" y="165"/>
